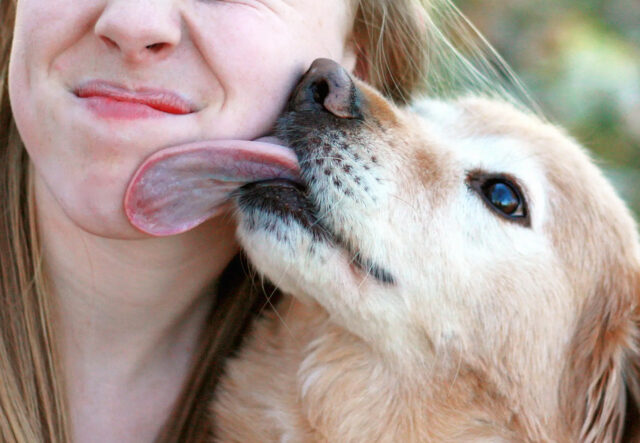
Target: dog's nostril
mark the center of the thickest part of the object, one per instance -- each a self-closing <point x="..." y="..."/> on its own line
<point x="329" y="87"/>
<point x="320" y="90"/>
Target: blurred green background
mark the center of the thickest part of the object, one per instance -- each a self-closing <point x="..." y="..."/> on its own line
<point x="580" y="60"/>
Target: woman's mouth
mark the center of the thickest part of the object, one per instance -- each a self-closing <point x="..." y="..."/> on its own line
<point x="109" y="100"/>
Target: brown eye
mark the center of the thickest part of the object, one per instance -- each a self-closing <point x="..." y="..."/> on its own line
<point x="501" y="194"/>
<point x="503" y="198"/>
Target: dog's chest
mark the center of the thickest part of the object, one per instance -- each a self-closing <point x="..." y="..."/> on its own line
<point x="301" y="378"/>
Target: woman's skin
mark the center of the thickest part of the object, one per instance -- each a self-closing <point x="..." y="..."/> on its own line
<point x="131" y="306"/>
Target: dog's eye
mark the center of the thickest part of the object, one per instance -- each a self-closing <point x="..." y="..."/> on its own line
<point x="502" y="195"/>
<point x="504" y="198"/>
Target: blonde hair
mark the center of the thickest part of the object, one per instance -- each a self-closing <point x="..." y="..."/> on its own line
<point x="402" y="51"/>
<point x="410" y="48"/>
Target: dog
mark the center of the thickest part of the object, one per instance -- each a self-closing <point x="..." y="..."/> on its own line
<point x="454" y="271"/>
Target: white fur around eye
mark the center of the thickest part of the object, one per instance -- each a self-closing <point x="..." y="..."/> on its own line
<point x="510" y="156"/>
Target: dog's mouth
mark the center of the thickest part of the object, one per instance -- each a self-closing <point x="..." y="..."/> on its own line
<point x="323" y="125"/>
<point x="286" y="200"/>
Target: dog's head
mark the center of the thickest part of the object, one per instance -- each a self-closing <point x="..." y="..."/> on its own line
<point x="451" y="231"/>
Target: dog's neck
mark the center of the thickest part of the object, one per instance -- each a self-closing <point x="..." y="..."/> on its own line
<point x="448" y="400"/>
<point x="334" y="387"/>
<point x="341" y="376"/>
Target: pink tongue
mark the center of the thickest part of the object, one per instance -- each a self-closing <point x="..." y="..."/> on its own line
<point x="180" y="187"/>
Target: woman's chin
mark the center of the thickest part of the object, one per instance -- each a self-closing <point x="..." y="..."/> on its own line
<point x="88" y="207"/>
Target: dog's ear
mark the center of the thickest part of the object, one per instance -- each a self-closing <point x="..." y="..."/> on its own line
<point x="602" y="380"/>
<point x="632" y="380"/>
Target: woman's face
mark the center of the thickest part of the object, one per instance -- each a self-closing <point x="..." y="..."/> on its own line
<point x="209" y="69"/>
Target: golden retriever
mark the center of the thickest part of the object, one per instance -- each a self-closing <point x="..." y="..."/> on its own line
<point x="456" y="271"/>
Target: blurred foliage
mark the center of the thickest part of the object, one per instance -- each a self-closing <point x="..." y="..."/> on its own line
<point x="580" y="60"/>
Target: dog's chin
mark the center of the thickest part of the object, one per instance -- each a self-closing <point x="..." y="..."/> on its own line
<point x="277" y="206"/>
<point x="279" y="229"/>
<point x="282" y="234"/>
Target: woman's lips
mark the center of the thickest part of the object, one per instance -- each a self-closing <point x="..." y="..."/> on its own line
<point x="113" y="101"/>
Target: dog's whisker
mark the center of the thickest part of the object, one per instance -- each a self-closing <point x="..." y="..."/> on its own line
<point x="328" y="212"/>
<point x="290" y="308"/>
<point x="283" y="322"/>
<point x="409" y="205"/>
<point x="268" y="302"/>
<point x="309" y="160"/>
<point x="455" y="377"/>
<point x="367" y="272"/>
<point x="268" y="297"/>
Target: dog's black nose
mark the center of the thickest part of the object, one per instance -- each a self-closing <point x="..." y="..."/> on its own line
<point x="328" y="86"/>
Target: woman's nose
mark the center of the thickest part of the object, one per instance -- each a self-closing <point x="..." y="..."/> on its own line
<point x="141" y="30"/>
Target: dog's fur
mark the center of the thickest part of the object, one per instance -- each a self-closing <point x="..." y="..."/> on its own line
<point x="468" y="326"/>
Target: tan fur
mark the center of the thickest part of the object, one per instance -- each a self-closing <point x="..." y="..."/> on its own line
<point x="492" y="332"/>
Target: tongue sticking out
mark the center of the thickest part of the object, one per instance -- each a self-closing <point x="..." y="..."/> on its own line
<point x="178" y="188"/>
